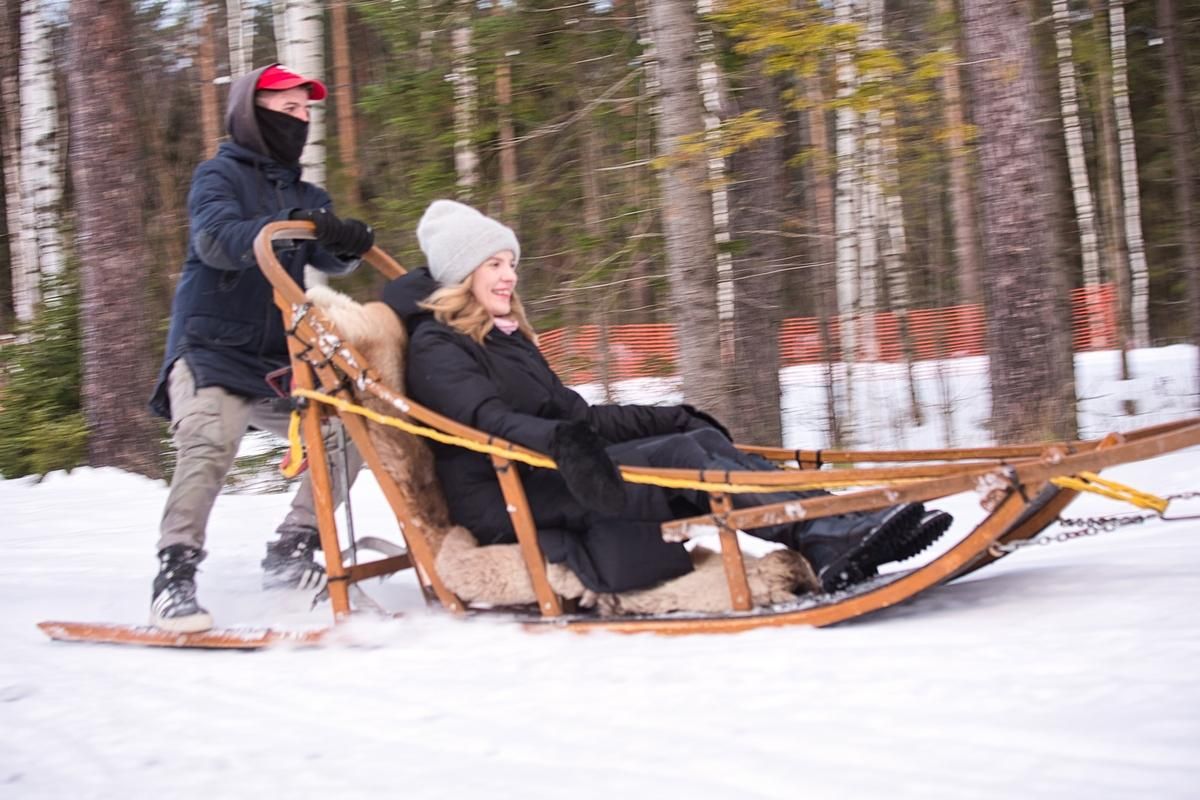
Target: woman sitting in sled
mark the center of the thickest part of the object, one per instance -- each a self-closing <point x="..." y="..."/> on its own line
<point x="473" y="357"/>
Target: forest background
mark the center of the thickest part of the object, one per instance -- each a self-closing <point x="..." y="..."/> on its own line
<point x="1020" y="167"/>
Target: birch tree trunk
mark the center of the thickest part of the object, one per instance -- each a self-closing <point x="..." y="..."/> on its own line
<point x="300" y="45"/>
<point x="239" y="25"/>
<point x="1181" y="159"/>
<point x="41" y="176"/>
<point x="462" y="74"/>
<point x="116" y="319"/>
<point x="895" y="264"/>
<point x="1112" y="262"/>
<point x="846" y="122"/>
<point x="1139" y="276"/>
<point x="687" y="214"/>
<point x="870" y="207"/>
<point x="711" y="92"/>
<point x="10" y="141"/>
<point x="1081" y="190"/>
<point x="825" y="251"/>
<point x="1033" y="388"/>
<point x="300" y="42"/>
<point x="962" y="198"/>
<point x="343" y="96"/>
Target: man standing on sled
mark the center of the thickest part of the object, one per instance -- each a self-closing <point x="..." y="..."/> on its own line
<point x="226" y="335"/>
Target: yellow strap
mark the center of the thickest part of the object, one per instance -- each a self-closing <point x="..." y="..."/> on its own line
<point x="1091" y="482"/>
<point x="295" y="449"/>
<point x="540" y="461"/>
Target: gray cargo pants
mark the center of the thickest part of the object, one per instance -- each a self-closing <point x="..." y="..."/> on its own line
<point x="207" y="425"/>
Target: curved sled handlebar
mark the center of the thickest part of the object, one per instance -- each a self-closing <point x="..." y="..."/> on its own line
<point x="303" y="229"/>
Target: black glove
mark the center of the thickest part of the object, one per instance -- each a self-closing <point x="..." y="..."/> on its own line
<point x="343" y="237"/>
<point x="591" y="476"/>
<point x="695" y="419"/>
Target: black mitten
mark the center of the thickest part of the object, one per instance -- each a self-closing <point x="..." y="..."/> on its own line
<point x="355" y="237"/>
<point x="696" y="419"/>
<point x="342" y="237"/>
<point x="591" y="476"/>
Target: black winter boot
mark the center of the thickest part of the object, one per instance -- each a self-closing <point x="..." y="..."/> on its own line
<point x="289" y="563"/>
<point x="849" y="548"/>
<point x="173" y="605"/>
<point x="931" y="527"/>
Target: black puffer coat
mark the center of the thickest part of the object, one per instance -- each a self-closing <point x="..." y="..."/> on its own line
<point x="223" y="320"/>
<point x="505" y="387"/>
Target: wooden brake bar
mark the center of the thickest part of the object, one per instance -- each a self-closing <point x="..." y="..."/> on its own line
<point x="1025" y="473"/>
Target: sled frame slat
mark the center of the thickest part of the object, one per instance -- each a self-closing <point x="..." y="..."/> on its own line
<point x="549" y="603"/>
<point x="320" y="480"/>
<point x="418" y="547"/>
<point x="731" y="554"/>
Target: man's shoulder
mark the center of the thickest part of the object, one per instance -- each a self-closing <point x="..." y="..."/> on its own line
<point x="222" y="165"/>
<point x="316" y="197"/>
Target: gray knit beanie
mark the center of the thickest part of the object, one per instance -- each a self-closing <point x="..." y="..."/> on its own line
<point x="456" y="239"/>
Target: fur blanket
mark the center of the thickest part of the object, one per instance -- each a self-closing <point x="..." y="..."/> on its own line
<point x="496" y="575"/>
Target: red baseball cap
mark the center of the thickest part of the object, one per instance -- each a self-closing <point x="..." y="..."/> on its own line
<point x="276" y="78"/>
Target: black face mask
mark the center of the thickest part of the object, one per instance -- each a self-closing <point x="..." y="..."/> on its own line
<point x="283" y="134"/>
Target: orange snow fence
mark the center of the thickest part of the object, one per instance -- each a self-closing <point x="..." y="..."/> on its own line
<point x="651" y="350"/>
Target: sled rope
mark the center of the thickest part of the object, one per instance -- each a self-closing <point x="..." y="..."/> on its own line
<point x="534" y="460"/>
<point x="1091" y="482"/>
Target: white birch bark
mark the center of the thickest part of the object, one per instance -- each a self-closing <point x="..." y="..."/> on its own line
<point x="1139" y="278"/>
<point x="300" y="46"/>
<point x="846" y="132"/>
<point x="466" y="92"/>
<point x="239" y="24"/>
<point x="41" y="177"/>
<point x="714" y="112"/>
<point x="895" y="242"/>
<point x="870" y="211"/>
<point x="1085" y="207"/>
<point x="300" y="43"/>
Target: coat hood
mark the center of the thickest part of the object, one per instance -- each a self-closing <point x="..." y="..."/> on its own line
<point x="240" y="122"/>
<point x="404" y="295"/>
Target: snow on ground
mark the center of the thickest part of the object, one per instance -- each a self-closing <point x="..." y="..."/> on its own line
<point x="1062" y="671"/>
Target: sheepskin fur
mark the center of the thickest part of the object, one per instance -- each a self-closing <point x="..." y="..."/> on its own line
<point x="496" y="575"/>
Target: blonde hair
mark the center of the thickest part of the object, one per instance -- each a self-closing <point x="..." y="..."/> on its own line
<point x="457" y="307"/>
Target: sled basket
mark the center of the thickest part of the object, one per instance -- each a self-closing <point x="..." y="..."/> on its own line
<point x="332" y="376"/>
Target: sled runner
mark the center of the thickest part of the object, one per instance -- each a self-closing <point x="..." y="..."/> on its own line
<point x="216" y="639"/>
<point x="346" y="362"/>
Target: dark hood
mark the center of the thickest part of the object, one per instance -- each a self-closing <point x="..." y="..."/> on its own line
<point x="284" y="174"/>
<point x="404" y="294"/>
<point x="240" y="122"/>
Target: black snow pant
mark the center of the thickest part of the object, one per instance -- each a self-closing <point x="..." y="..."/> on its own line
<point x="626" y="551"/>
<point x="706" y="449"/>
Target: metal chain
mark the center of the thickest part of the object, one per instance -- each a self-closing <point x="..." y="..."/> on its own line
<point x="1087" y="526"/>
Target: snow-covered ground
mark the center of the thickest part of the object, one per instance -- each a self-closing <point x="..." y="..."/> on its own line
<point x="1063" y="671"/>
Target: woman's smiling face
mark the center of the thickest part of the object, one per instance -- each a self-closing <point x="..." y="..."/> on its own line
<point x="493" y="282"/>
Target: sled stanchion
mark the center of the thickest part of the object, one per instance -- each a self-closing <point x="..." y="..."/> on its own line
<point x="731" y="554"/>
<point x="522" y="519"/>
<point x="321" y="482"/>
<point x="418" y="547"/>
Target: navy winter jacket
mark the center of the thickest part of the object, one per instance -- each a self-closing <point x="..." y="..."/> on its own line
<point x="224" y="322"/>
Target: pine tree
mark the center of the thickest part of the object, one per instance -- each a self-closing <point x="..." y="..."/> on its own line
<point x="118" y="360"/>
<point x="1033" y="388"/>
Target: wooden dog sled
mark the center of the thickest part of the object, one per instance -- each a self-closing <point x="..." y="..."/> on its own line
<point x="338" y="374"/>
